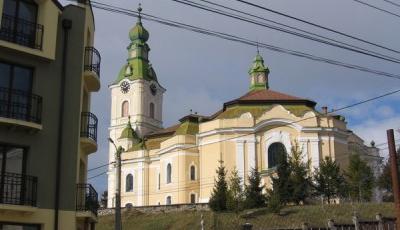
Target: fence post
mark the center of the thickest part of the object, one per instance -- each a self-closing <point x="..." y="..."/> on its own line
<point x="380" y="221"/>
<point x="247" y="226"/>
<point x="305" y="226"/>
<point x="202" y="222"/>
<point x="331" y="224"/>
<point x="356" y="223"/>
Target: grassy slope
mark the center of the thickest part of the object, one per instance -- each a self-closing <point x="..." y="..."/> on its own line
<point x="290" y="217"/>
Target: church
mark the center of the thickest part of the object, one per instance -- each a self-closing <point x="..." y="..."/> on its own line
<point x="176" y="165"/>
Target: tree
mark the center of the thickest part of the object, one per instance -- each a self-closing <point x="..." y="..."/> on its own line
<point x="235" y="192"/>
<point x="360" y="179"/>
<point x="104" y="198"/>
<point x="384" y="181"/>
<point x="328" y="180"/>
<point x="300" y="179"/>
<point x="219" y="194"/>
<point x="254" y="198"/>
<point x="281" y="186"/>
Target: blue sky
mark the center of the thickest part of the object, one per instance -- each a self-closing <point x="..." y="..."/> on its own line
<point x="201" y="73"/>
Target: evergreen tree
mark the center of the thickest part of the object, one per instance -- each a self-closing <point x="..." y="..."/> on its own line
<point x="281" y="186"/>
<point x="219" y="194"/>
<point x="254" y="198"/>
<point x="328" y="180"/>
<point x="360" y="179"/>
<point x="235" y="192"/>
<point x="300" y="179"/>
<point x="384" y="181"/>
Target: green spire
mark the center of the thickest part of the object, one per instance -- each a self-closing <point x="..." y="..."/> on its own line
<point x="138" y="65"/>
<point x="129" y="133"/>
<point x="258" y="73"/>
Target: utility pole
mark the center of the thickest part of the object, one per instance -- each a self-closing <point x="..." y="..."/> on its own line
<point x="118" y="151"/>
<point x="395" y="174"/>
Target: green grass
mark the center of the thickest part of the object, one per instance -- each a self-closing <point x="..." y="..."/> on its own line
<point x="315" y="215"/>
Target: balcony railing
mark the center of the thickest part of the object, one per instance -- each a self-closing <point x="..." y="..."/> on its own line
<point x="92" y="60"/>
<point x="18" y="189"/>
<point x="20" y="105"/>
<point x="89" y="126"/>
<point x="86" y="198"/>
<point x="21" y="31"/>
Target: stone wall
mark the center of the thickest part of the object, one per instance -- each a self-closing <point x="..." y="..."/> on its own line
<point x="158" y="208"/>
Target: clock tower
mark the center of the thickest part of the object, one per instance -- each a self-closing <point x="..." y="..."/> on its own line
<point x="136" y="95"/>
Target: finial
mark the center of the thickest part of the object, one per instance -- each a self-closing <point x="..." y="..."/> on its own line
<point x="258" y="50"/>
<point x="140" y="12"/>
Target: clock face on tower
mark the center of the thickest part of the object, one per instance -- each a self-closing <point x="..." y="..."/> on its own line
<point x="125" y="86"/>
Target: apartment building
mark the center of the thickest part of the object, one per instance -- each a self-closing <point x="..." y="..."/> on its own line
<point x="48" y="72"/>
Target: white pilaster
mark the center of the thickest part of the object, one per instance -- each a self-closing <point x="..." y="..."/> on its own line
<point x="240" y="158"/>
<point x="140" y="184"/>
<point x="251" y="155"/>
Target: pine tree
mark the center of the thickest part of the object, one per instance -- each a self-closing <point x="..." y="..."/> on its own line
<point x="328" y="180"/>
<point x="281" y="187"/>
<point x="384" y="181"/>
<point x="235" y="192"/>
<point x="360" y="179"/>
<point x="104" y="198"/>
<point x="254" y="198"/>
<point x="219" y="194"/>
<point x="300" y="179"/>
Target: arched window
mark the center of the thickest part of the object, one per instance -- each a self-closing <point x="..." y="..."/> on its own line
<point x="168" y="201"/>
<point x="151" y="110"/>
<point x="192" y="172"/>
<point x="129" y="183"/>
<point x="125" y="109"/>
<point x="275" y="152"/>
<point x="192" y="198"/>
<point x="169" y="173"/>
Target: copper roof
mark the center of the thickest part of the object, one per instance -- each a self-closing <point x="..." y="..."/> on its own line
<point x="269" y="96"/>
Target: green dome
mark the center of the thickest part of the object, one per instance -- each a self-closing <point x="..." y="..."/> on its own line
<point x="258" y="65"/>
<point x="139" y="33"/>
<point x="129" y="133"/>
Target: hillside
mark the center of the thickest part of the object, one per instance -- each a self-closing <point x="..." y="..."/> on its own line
<point x="315" y="215"/>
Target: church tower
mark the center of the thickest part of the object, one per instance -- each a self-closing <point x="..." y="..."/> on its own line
<point x="136" y="92"/>
<point x="258" y="74"/>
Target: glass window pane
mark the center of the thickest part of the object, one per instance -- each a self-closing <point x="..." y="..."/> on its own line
<point x="14" y="160"/>
<point x="10" y="7"/>
<point x="27" y="11"/>
<point x="22" y="79"/>
<point x="5" y="72"/>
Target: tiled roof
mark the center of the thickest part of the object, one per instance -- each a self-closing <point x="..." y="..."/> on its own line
<point x="167" y="131"/>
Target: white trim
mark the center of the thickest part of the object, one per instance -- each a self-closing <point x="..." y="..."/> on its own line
<point x="240" y="158"/>
<point x="176" y="146"/>
<point x="276" y="137"/>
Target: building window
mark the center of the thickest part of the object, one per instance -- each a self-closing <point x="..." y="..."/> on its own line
<point x="169" y="173"/>
<point x="192" y="198"/>
<point x="151" y="110"/>
<point x="168" y="201"/>
<point x="275" y="152"/>
<point x="15" y="91"/>
<point x="5" y="225"/>
<point x="125" y="109"/>
<point x="18" y="22"/>
<point x="129" y="183"/>
<point x="192" y="172"/>
<point x="12" y="160"/>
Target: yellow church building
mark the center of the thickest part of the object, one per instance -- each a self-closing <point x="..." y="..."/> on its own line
<point x="176" y="165"/>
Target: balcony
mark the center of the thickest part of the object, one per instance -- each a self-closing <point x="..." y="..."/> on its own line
<point x="87" y="202"/>
<point x="18" y="192"/>
<point x="21" y="32"/>
<point x="89" y="132"/>
<point x="20" y="108"/>
<point x="92" y="69"/>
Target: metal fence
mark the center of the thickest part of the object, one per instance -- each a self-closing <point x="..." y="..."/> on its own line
<point x="89" y="125"/>
<point x="92" y="60"/>
<point x="18" y="189"/>
<point x="86" y="198"/>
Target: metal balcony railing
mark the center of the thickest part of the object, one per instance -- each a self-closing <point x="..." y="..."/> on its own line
<point x="21" y="31"/>
<point x="86" y="198"/>
<point x="89" y="126"/>
<point x="18" y="189"/>
<point x="92" y="60"/>
<point x="20" y="105"/>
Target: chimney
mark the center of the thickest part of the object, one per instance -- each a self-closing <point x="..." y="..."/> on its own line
<point x="325" y="110"/>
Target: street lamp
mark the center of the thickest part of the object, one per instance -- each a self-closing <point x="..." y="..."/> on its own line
<point x="118" y="151"/>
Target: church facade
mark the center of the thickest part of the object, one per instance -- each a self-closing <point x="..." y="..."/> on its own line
<point x="175" y="165"/>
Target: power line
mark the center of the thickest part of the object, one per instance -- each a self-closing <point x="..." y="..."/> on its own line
<point x="97" y="175"/>
<point x="319" y="26"/>
<point x="101" y="166"/>
<point x="230" y="37"/>
<point x="377" y="8"/>
<point x="347" y="47"/>
<point x="391" y="2"/>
